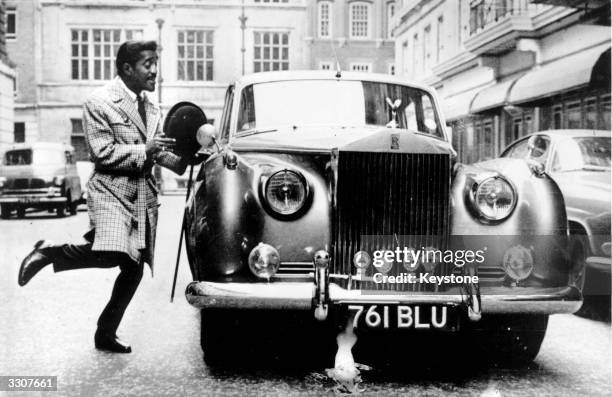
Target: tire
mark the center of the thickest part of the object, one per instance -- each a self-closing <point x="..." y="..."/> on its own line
<point x="60" y="211"/>
<point x="21" y="212"/>
<point x="218" y="336"/>
<point x="5" y="211"/>
<point x="578" y="253"/>
<point x="511" y="340"/>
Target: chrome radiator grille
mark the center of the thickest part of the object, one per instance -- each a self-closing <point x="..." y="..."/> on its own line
<point x="402" y="196"/>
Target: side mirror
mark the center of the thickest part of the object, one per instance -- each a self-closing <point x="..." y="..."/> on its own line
<point x="538" y="147"/>
<point x="182" y="123"/>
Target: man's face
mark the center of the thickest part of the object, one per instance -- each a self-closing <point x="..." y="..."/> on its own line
<point x="142" y="75"/>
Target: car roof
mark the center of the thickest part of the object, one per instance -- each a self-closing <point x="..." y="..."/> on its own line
<point x="572" y="133"/>
<point x="38" y="145"/>
<point x="266" y="77"/>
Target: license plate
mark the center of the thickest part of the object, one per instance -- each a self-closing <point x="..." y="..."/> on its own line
<point x="415" y="317"/>
<point x="29" y="200"/>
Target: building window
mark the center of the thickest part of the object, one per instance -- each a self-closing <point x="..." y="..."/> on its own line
<point x="325" y="65"/>
<point x="19" y="132"/>
<point x="11" y="23"/>
<point x="427" y="48"/>
<point x="271" y="51"/>
<point x="271" y="1"/>
<point x="325" y="18"/>
<point x="359" y="20"/>
<point x="416" y="56"/>
<point x="405" y="59"/>
<point x="557" y="117"/>
<point x="590" y="113"/>
<point x="390" y="14"/>
<point x="361" y="67"/>
<point x="77" y="140"/>
<point x="93" y="51"/>
<point x="573" y="115"/>
<point x="195" y="55"/>
<point x="105" y="45"/>
<point x="440" y="39"/>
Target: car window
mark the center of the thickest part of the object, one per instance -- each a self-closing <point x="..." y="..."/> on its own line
<point x="519" y="151"/>
<point x="48" y="156"/>
<point x="18" y="157"/>
<point x="582" y="153"/>
<point x="595" y="151"/>
<point x="227" y="111"/>
<point x="345" y="103"/>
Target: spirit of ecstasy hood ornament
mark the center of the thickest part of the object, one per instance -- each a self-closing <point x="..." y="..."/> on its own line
<point x="394" y="106"/>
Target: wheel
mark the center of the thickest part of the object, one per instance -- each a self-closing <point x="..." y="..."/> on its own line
<point x="5" y="211"/>
<point x="511" y="340"/>
<point x="21" y="212"/>
<point x="60" y="211"/>
<point x="218" y="336"/>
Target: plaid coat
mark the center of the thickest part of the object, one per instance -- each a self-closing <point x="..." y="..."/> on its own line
<point x="122" y="195"/>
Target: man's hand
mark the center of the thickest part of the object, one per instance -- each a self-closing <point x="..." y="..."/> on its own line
<point x="159" y="143"/>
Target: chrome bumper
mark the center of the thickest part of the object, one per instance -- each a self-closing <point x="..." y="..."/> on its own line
<point x="32" y="200"/>
<point x="301" y="296"/>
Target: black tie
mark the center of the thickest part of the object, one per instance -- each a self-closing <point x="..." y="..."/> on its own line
<point x="141" y="111"/>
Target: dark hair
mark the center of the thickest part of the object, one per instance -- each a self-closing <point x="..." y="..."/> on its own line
<point x="129" y="52"/>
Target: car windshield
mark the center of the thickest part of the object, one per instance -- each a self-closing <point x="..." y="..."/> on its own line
<point x="582" y="153"/>
<point x="37" y="156"/>
<point x="268" y="106"/>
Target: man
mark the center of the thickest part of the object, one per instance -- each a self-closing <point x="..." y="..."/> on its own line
<point x="123" y="132"/>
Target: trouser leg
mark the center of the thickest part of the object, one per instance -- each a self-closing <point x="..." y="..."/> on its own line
<point x="71" y="257"/>
<point x="123" y="291"/>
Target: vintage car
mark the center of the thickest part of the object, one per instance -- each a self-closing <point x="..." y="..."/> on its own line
<point x="319" y="181"/>
<point x="40" y="175"/>
<point x="579" y="162"/>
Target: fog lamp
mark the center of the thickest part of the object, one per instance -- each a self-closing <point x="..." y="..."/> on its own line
<point x="264" y="261"/>
<point x="2" y="181"/>
<point x="606" y="248"/>
<point x="518" y="262"/>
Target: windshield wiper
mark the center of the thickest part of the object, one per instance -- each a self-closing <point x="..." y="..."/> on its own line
<point x="256" y="131"/>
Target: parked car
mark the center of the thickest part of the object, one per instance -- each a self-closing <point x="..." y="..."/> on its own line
<point x="579" y="162"/>
<point x="39" y="175"/>
<point x="315" y="174"/>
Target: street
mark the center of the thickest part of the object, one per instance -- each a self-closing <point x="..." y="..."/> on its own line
<point x="47" y="328"/>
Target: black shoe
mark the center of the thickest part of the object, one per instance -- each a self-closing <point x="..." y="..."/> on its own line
<point x="110" y="342"/>
<point x="34" y="262"/>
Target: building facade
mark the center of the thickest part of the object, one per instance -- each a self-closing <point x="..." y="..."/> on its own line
<point x="353" y="35"/>
<point x="507" y="68"/>
<point x="64" y="49"/>
<point x="7" y="78"/>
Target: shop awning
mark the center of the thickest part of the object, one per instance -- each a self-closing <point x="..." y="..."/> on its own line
<point x="492" y="97"/>
<point x="557" y="76"/>
<point x="457" y="106"/>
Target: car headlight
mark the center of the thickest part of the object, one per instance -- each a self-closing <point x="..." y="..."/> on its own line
<point x="494" y="198"/>
<point x="2" y="181"/>
<point x="286" y="192"/>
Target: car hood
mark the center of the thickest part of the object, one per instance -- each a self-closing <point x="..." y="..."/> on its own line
<point x="325" y="139"/>
<point x="586" y="192"/>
